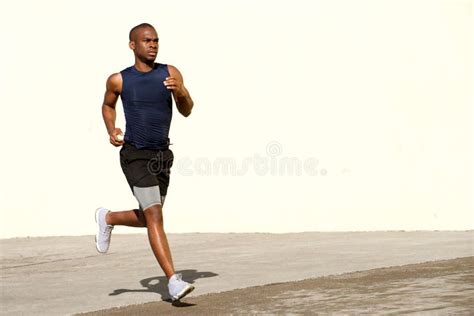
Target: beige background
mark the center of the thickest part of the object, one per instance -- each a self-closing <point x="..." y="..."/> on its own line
<point x="376" y="94"/>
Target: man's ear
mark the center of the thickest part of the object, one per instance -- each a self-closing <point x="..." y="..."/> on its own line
<point x="131" y="45"/>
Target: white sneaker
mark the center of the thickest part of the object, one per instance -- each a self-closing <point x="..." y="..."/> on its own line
<point x="104" y="231"/>
<point x="178" y="288"/>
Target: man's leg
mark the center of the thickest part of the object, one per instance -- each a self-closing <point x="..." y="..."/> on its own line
<point x="157" y="237"/>
<point x="133" y="218"/>
<point x="152" y="218"/>
<point x="159" y="243"/>
<point x="151" y="201"/>
<point x="106" y="220"/>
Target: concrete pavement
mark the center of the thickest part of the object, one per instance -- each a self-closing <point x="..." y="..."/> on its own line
<point x="65" y="275"/>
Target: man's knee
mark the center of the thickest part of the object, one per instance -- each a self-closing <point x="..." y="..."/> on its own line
<point x="154" y="214"/>
<point x="140" y="216"/>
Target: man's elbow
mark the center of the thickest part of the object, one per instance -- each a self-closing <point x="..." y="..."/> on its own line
<point x="108" y="107"/>
<point x="186" y="113"/>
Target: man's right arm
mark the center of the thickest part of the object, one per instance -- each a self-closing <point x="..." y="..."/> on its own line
<point x="112" y="92"/>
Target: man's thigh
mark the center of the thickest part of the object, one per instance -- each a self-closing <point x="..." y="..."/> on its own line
<point x="147" y="173"/>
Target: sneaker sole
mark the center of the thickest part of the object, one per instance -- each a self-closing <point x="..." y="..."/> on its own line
<point x="98" y="230"/>
<point x="183" y="293"/>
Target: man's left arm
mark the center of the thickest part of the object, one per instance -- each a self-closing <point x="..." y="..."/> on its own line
<point x="181" y="95"/>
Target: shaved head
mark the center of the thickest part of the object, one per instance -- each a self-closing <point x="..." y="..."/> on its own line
<point x="144" y="42"/>
<point x="135" y="29"/>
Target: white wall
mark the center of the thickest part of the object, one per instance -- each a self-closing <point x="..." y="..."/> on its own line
<point x="376" y="94"/>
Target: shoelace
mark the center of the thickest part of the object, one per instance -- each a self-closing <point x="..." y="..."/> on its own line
<point x="107" y="231"/>
<point x="179" y="276"/>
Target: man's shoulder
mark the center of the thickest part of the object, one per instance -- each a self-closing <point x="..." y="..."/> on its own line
<point x="115" y="77"/>
<point x="173" y="71"/>
<point x="114" y="82"/>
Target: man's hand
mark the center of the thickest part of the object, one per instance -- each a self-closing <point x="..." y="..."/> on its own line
<point x="174" y="82"/>
<point x="113" y="137"/>
<point x="175" y="85"/>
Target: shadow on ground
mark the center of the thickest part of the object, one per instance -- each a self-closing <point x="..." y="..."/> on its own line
<point x="159" y="285"/>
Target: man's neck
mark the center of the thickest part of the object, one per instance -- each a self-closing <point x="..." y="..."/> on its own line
<point x="144" y="67"/>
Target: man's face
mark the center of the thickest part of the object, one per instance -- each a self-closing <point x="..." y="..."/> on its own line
<point x="145" y="44"/>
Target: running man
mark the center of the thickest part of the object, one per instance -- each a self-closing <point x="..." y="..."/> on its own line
<point x="145" y="89"/>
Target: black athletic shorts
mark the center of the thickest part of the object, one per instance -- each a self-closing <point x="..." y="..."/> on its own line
<point x="146" y="167"/>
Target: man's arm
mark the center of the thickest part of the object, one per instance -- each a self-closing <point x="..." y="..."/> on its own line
<point x="112" y="92"/>
<point x="181" y="95"/>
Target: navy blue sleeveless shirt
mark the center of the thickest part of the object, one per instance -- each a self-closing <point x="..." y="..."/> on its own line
<point x="147" y="106"/>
